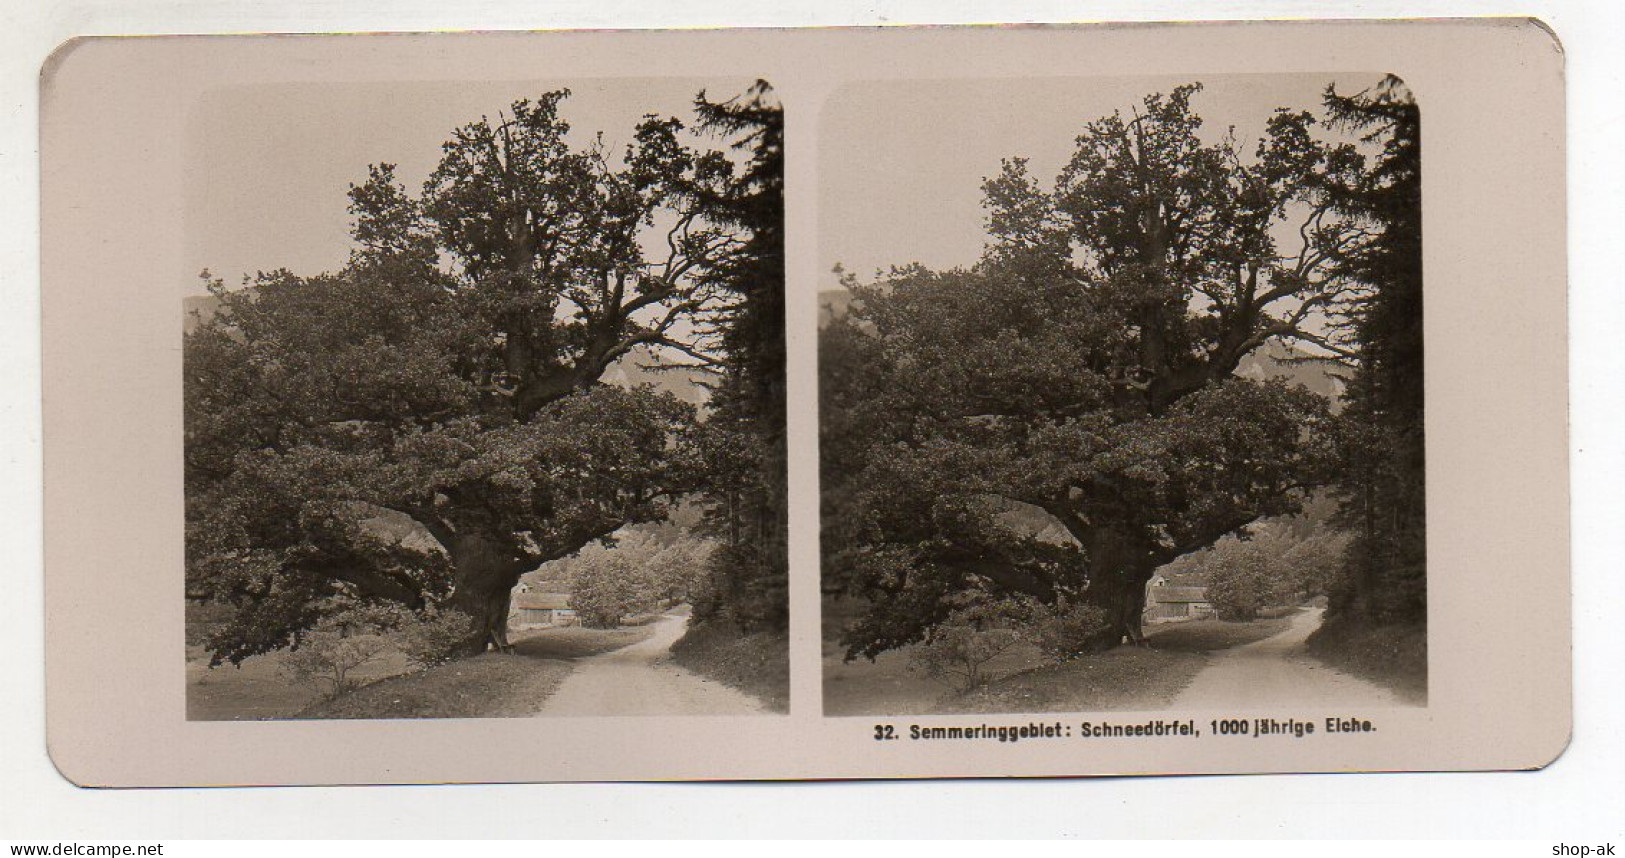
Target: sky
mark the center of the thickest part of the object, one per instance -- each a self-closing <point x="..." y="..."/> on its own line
<point x="901" y="163"/>
<point x="271" y="165"/>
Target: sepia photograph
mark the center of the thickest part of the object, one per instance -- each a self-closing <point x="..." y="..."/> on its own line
<point x="484" y="400"/>
<point x="1121" y="395"/>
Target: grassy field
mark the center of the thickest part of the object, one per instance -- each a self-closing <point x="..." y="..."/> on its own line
<point x="889" y="686"/>
<point x="259" y="689"/>
<point x="493" y="685"/>
<point x="1212" y="635"/>
<point x="490" y="685"/>
<point x="1395" y="657"/>
<point x="1125" y="678"/>
<point x="757" y="664"/>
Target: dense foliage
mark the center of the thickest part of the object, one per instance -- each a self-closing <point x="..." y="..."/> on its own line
<point x="1064" y="630"/>
<point x="1277" y="563"/>
<point x="639" y="572"/>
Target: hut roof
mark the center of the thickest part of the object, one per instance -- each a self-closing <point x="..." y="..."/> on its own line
<point x="542" y="601"/>
<point x="1179" y="594"/>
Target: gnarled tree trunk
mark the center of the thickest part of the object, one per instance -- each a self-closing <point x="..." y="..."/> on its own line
<point x="487" y="571"/>
<point x="1118" y="574"/>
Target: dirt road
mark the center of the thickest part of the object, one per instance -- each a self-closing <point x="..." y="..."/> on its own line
<point x="1275" y="671"/>
<point x="641" y="680"/>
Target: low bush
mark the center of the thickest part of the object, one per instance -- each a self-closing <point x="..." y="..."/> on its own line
<point x="432" y="636"/>
<point x="958" y="650"/>
<point x="1065" y="630"/>
<point x="327" y="653"/>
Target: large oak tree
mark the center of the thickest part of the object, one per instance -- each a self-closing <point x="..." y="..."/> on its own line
<point x="1081" y="379"/>
<point x="448" y="381"/>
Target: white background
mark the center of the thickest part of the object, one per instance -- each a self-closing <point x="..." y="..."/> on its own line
<point x="1581" y="798"/>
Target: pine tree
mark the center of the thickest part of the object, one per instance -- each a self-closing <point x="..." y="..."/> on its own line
<point x="745" y="432"/>
<point x="1384" y="444"/>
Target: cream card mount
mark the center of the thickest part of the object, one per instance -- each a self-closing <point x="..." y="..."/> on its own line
<point x="781" y="404"/>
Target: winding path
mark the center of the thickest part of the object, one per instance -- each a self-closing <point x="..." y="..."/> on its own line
<point x="1275" y="671"/>
<point x="641" y="680"/>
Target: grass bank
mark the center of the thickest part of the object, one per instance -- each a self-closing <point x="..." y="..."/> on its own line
<point x="1393" y="656"/>
<point x="1127" y="677"/>
<point x="1124" y="678"/>
<point x="1212" y="635"/>
<point x="258" y="690"/>
<point x="492" y="685"/>
<point x="757" y="664"/>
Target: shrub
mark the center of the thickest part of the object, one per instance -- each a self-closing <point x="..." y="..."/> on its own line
<point x="433" y="636"/>
<point x="325" y="655"/>
<point x="958" y="650"/>
<point x="1065" y="630"/>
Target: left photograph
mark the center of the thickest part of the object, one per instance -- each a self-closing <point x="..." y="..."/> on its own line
<point x="485" y="400"/>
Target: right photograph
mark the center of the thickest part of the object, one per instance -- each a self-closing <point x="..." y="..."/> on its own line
<point x="1121" y="395"/>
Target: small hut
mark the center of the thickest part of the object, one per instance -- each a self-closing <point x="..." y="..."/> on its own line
<point x="537" y="610"/>
<point x="1167" y="602"/>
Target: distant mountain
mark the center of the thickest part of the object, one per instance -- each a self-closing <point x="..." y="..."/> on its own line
<point x="642" y="366"/>
<point x="1279" y="360"/>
